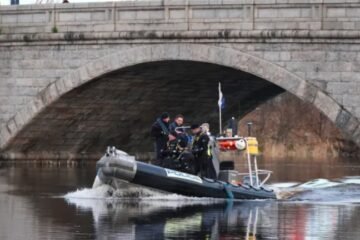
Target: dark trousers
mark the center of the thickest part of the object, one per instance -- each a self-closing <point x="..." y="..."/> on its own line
<point x="206" y="167"/>
<point x="160" y="146"/>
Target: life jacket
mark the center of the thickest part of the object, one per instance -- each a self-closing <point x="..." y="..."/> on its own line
<point x="163" y="127"/>
<point x="209" y="147"/>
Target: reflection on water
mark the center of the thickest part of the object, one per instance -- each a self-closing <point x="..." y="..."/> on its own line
<point x="171" y="220"/>
<point x="32" y="206"/>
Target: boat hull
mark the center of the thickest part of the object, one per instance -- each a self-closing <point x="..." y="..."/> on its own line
<point x="110" y="168"/>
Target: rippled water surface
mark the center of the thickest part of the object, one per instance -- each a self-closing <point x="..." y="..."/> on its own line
<point x="317" y="201"/>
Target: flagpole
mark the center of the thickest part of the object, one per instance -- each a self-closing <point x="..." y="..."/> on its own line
<point x="220" y="122"/>
<point x="220" y="106"/>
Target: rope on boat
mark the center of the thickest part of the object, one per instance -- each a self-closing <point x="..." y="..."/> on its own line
<point x="228" y="192"/>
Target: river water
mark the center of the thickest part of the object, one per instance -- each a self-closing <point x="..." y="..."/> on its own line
<point x="317" y="201"/>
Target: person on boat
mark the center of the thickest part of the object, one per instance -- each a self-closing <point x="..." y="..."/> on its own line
<point x="202" y="152"/>
<point x="176" y="129"/>
<point x="178" y="157"/>
<point x="176" y="124"/>
<point x="205" y="128"/>
<point x="161" y="133"/>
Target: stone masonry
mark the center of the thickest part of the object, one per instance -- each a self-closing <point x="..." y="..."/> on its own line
<point x="309" y="48"/>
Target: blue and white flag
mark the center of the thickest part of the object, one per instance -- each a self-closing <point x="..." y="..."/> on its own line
<point x="221" y="101"/>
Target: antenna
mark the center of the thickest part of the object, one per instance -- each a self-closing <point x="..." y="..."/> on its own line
<point x="249" y="124"/>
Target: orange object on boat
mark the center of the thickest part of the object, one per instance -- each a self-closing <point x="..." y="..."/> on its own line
<point x="227" y="145"/>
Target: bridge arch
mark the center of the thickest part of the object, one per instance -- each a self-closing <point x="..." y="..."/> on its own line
<point x="227" y="57"/>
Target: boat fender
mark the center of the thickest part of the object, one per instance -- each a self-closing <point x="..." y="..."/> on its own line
<point x="228" y="192"/>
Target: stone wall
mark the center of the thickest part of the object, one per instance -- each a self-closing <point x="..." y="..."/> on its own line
<point x="182" y="16"/>
<point x="48" y="50"/>
<point x="118" y="109"/>
<point x="26" y="70"/>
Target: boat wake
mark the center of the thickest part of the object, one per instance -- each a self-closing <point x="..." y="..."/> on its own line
<point x="134" y="193"/>
<point x="342" y="190"/>
<point x="105" y="198"/>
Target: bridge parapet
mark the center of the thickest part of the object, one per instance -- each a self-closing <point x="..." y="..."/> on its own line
<point x="179" y="15"/>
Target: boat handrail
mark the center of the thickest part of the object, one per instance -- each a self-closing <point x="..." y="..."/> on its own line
<point x="259" y="172"/>
<point x="182" y="127"/>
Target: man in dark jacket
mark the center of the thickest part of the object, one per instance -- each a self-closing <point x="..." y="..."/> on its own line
<point x="202" y="152"/>
<point x="178" y="122"/>
<point x="177" y="131"/>
<point x="161" y="134"/>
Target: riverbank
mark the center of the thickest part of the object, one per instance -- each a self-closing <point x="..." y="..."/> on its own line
<point x="288" y="128"/>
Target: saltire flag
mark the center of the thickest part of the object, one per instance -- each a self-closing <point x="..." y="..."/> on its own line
<point x="221" y="101"/>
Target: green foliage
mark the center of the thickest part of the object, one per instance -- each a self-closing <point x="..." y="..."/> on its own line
<point x="54" y="29"/>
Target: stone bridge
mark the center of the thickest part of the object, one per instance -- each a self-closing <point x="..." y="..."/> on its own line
<point x="77" y="77"/>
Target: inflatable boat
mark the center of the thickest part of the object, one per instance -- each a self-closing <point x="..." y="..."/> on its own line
<point x="117" y="165"/>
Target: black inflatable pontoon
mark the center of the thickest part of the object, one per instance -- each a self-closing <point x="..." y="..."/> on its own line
<point x="117" y="165"/>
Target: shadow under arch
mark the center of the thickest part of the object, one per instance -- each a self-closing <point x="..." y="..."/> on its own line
<point x="222" y="56"/>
